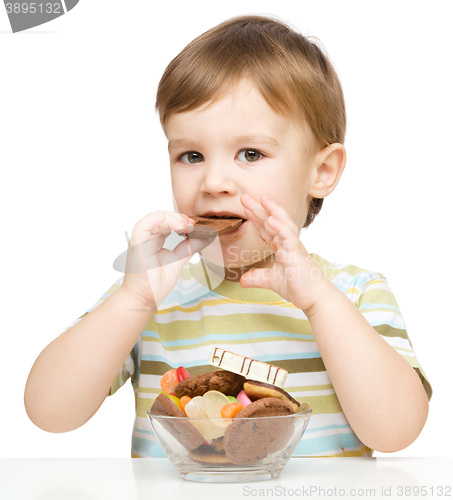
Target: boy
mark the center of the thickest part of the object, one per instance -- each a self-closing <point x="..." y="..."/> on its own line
<point x="255" y="119"/>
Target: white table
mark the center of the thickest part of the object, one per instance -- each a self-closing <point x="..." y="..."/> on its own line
<point x="140" y="479"/>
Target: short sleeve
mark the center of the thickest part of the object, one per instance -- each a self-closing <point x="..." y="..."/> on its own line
<point x="109" y="292"/>
<point x="375" y="300"/>
<point x="127" y="371"/>
<point x="128" y="368"/>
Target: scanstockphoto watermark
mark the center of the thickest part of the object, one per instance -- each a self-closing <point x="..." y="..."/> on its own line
<point x="308" y="491"/>
<point x="135" y="260"/>
<point x="27" y="14"/>
<point x="315" y="491"/>
<point x="294" y="267"/>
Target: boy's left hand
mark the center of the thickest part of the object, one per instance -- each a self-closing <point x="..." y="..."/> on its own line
<point x="295" y="276"/>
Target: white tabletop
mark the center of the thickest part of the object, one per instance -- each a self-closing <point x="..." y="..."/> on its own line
<point x="140" y="479"/>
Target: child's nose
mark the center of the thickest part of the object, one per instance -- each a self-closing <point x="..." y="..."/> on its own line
<point x="219" y="178"/>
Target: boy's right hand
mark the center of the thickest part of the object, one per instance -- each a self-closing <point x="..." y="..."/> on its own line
<point x="151" y="270"/>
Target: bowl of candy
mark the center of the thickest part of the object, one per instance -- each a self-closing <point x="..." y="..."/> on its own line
<point x="223" y="427"/>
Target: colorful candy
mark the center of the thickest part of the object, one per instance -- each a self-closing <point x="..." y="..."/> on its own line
<point x="212" y="405"/>
<point x="244" y="399"/>
<point x="182" y="373"/>
<point x="169" y="381"/>
<point x="213" y="402"/>
<point x="173" y="398"/>
<point x="183" y="401"/>
<point x="208" y="429"/>
<point x="229" y="411"/>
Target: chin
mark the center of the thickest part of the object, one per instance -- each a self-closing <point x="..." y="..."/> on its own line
<point x="235" y="252"/>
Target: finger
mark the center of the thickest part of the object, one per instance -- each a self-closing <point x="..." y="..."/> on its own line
<point x="159" y="223"/>
<point x="286" y="238"/>
<point x="187" y="248"/>
<point x="278" y="212"/>
<point x="254" y="220"/>
<point x="143" y="256"/>
<point x="164" y="219"/>
<point x="264" y="233"/>
<point x="182" y="252"/>
<point x="173" y="221"/>
<point x="260" y="214"/>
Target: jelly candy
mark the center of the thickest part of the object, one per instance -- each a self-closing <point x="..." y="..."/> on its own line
<point x="174" y="399"/>
<point x="194" y="409"/>
<point x="209" y="430"/>
<point x="183" y="401"/>
<point x="232" y="399"/>
<point x="182" y="373"/>
<point x="169" y="381"/>
<point x="244" y="399"/>
<point x="213" y="402"/>
<point x="229" y="411"/>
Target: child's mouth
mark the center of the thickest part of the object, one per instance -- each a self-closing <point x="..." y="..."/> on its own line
<point x="232" y="217"/>
<point x="240" y="228"/>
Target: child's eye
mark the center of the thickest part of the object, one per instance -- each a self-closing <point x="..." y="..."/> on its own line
<point x="191" y="157"/>
<point x="250" y="155"/>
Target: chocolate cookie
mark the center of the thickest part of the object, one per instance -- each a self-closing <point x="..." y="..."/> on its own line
<point x="225" y="382"/>
<point x="206" y="227"/>
<point x="182" y="429"/>
<point x="249" y="439"/>
<point x="217" y="445"/>
<point x="257" y="390"/>
<point x="209" y="458"/>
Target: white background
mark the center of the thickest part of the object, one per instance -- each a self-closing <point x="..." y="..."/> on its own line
<point x="83" y="158"/>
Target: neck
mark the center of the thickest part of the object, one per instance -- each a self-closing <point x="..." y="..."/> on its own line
<point x="235" y="273"/>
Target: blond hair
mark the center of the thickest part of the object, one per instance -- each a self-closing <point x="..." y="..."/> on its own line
<point x="293" y="74"/>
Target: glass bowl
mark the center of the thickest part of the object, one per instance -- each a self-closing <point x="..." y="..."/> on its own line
<point x="229" y="450"/>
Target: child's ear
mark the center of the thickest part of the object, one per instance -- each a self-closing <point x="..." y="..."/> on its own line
<point x="329" y="164"/>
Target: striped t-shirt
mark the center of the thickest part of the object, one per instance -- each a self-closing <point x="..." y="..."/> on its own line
<point x="197" y="316"/>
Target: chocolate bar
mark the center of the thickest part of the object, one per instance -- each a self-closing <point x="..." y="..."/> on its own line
<point x="206" y="227"/>
<point x="247" y="367"/>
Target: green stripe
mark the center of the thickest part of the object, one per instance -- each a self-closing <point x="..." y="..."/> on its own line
<point x="116" y="384"/>
<point x="159" y="368"/>
<point x="307" y="388"/>
<point x="234" y="323"/>
<point x="332" y="273"/>
<point x="301" y="365"/>
<point x="378" y="296"/>
<point x="214" y="342"/>
<point x="388" y="331"/>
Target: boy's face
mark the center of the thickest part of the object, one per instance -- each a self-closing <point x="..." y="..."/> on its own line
<point x="239" y="145"/>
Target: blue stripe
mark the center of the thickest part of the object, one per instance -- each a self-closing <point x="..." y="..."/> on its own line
<point x="175" y="296"/>
<point x="316" y="429"/>
<point x="399" y="326"/>
<point x="147" y="448"/>
<point x="194" y="302"/>
<point x="328" y="428"/>
<point x="358" y="281"/>
<point x="379" y="306"/>
<point x="342" y="285"/>
<point x="328" y="445"/>
<point x="142" y="431"/>
<point x="227" y="336"/>
<point x="363" y="278"/>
